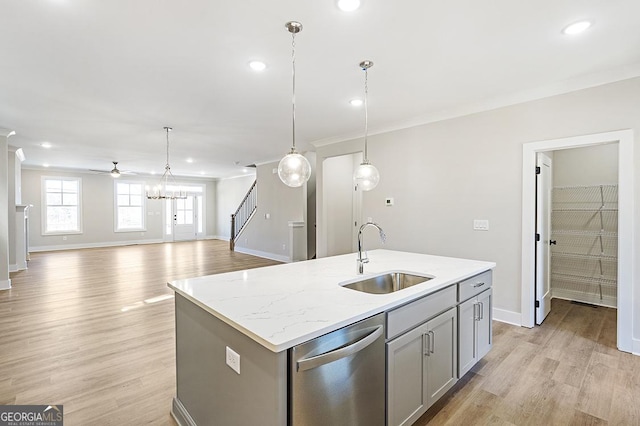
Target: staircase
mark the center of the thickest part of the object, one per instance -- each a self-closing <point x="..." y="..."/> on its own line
<point x="243" y="214"/>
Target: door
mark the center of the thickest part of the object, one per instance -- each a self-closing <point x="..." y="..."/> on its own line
<point x="406" y="397"/>
<point x="184" y="219"/>
<point x="543" y="234"/>
<point x="467" y="336"/>
<point x="484" y="334"/>
<point x="441" y="359"/>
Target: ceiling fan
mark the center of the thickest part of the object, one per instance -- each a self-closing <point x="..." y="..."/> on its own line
<point x="115" y="172"/>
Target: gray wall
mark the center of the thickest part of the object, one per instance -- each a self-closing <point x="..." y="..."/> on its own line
<point x="444" y="175"/>
<point x="270" y="237"/>
<point x="595" y="165"/>
<point x="229" y="195"/>
<point x="98" y="212"/>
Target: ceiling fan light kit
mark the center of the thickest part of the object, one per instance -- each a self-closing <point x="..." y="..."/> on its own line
<point x="115" y="173"/>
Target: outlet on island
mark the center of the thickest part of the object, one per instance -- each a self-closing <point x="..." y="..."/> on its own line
<point x="233" y="360"/>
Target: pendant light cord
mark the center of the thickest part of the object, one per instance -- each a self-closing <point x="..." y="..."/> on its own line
<point x="166" y="167"/>
<point x="366" y="112"/>
<point x="293" y="98"/>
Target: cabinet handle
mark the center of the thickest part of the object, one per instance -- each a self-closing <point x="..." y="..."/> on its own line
<point x="481" y="310"/>
<point x="426" y="343"/>
<point x="476" y="285"/>
<point x="432" y="341"/>
<point x="476" y="316"/>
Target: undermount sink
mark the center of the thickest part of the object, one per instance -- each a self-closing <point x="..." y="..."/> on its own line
<point x="387" y="283"/>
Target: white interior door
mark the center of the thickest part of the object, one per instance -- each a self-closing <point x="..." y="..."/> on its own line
<point x="543" y="229"/>
<point x="184" y="219"/>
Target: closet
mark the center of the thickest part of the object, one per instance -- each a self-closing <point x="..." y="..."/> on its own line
<point x="584" y="243"/>
<point x="584" y="225"/>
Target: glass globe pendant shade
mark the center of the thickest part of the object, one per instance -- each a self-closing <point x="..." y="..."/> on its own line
<point x="294" y="169"/>
<point x="366" y="176"/>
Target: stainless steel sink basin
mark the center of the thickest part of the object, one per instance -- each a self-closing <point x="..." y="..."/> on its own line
<point x="387" y="283"/>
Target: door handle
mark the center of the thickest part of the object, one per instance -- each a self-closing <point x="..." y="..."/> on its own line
<point x="432" y="341"/>
<point x="552" y="242"/>
<point x="481" y="310"/>
<point x="476" y="314"/>
<point x="327" y="357"/>
<point x="426" y="343"/>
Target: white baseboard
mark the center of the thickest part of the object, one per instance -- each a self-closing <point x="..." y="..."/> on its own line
<point x="509" y="317"/>
<point x="636" y="347"/>
<point x="13" y="268"/>
<point x="5" y="284"/>
<point x="264" y="254"/>
<point x="217" y="237"/>
<point x="92" y="245"/>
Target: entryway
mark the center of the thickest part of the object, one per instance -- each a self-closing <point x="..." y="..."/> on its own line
<point x="184" y="217"/>
<point x="625" y="267"/>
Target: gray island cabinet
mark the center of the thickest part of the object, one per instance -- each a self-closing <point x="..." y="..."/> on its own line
<point x="242" y="337"/>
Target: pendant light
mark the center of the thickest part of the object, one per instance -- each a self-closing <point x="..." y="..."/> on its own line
<point x="366" y="175"/>
<point x="167" y="188"/>
<point x="294" y="169"/>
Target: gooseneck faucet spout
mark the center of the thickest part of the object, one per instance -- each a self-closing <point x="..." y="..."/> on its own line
<point x="361" y="261"/>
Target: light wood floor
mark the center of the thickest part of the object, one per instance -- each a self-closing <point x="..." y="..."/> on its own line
<point x="565" y="372"/>
<point x="75" y="330"/>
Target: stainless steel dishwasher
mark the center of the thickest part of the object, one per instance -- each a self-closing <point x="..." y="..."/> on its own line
<point x="339" y="378"/>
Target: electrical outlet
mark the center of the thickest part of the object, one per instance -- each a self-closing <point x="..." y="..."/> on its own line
<point x="64" y="238"/>
<point x="233" y="360"/>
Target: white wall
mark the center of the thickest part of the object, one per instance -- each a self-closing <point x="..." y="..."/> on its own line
<point x="269" y="237"/>
<point x="445" y="174"/>
<point x="594" y="165"/>
<point x="98" y="212"/>
<point x="229" y="195"/>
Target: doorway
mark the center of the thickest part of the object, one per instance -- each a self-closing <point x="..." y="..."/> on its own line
<point x="184" y="218"/>
<point x="342" y="203"/>
<point x="626" y="271"/>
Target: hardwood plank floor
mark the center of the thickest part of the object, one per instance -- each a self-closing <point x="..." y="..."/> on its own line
<point x="76" y="330"/>
<point x="565" y="372"/>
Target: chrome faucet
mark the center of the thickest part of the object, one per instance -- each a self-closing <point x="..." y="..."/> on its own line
<point x="360" y="260"/>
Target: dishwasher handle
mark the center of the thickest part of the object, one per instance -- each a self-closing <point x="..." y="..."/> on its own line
<point x="326" y="358"/>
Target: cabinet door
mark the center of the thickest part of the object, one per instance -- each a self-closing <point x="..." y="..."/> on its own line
<point x="406" y="377"/>
<point x="484" y="326"/>
<point x="441" y="359"/>
<point x="467" y="336"/>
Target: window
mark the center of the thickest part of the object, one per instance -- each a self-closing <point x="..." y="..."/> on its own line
<point x="129" y="206"/>
<point x="62" y="201"/>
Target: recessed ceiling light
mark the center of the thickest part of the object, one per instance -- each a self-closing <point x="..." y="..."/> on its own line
<point x="356" y="102"/>
<point x="153" y="172"/>
<point x="348" y="5"/>
<point x="577" y="27"/>
<point x="203" y="173"/>
<point x="189" y="160"/>
<point x="45" y="165"/>
<point x="45" y="145"/>
<point x="257" y="65"/>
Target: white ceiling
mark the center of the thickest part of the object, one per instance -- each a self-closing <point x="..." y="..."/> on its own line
<point x="99" y="79"/>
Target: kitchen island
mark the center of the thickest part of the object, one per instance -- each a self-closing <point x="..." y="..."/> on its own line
<point x="260" y="314"/>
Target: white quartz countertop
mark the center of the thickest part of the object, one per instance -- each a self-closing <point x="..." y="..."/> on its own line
<point x="284" y="305"/>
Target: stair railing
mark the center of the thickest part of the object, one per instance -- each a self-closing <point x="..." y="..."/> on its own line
<point x="243" y="214"/>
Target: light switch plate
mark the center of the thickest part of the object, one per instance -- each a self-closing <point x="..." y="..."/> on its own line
<point x="480" y="225"/>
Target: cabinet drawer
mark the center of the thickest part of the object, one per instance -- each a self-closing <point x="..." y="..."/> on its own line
<point x="408" y="316"/>
<point x="474" y="285"/>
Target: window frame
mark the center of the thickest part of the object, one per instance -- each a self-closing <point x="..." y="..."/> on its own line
<point x="116" y="206"/>
<point x="45" y="206"/>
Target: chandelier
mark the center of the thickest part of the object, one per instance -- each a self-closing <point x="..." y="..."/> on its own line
<point x="167" y="188"/>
